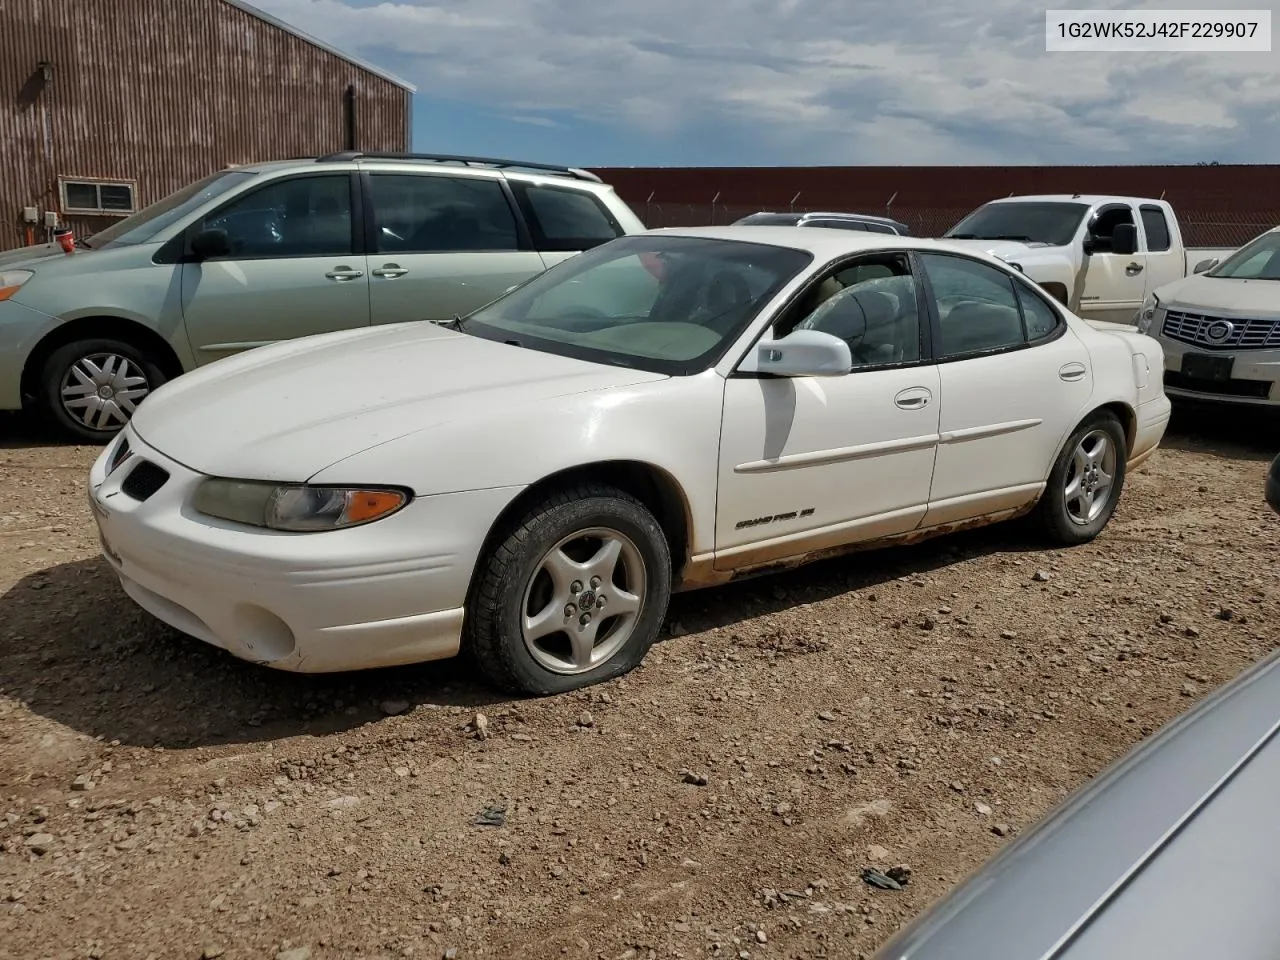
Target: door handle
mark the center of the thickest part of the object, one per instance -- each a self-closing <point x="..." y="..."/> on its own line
<point x="1133" y="269"/>
<point x="913" y="398"/>
<point x="344" y="273"/>
<point x="1072" y="371"/>
<point x="390" y="271"/>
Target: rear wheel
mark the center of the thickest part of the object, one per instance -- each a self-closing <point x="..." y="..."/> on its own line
<point x="90" y="389"/>
<point x="573" y="595"/>
<point x="1086" y="481"/>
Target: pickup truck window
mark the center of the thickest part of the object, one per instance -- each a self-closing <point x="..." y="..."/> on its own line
<point x="1051" y="223"/>
<point x="1257" y="260"/>
<point x="1157" y="228"/>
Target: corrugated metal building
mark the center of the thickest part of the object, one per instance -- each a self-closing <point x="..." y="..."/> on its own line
<point x="1217" y="205"/>
<point x="109" y="105"/>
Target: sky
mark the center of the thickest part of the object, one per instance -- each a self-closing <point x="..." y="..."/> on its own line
<point x="797" y="82"/>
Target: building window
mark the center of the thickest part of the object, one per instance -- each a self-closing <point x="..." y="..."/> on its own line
<point x="100" y="197"/>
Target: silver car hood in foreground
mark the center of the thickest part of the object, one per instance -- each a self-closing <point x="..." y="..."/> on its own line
<point x="1172" y="853"/>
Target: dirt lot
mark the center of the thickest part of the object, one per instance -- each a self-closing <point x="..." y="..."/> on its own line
<point x="916" y="706"/>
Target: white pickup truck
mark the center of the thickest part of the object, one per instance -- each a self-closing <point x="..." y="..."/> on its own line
<point x="1100" y="255"/>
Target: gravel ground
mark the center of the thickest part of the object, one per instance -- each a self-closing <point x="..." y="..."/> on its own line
<point x="916" y="706"/>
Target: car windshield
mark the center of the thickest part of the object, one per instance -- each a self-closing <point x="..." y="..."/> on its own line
<point x="1053" y="224"/>
<point x="1257" y="260"/>
<point x="659" y="303"/>
<point x="770" y="220"/>
<point x="146" y="223"/>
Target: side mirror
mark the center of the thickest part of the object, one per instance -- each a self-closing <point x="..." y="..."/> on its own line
<point x="801" y="353"/>
<point x="1206" y="265"/>
<point x="1124" y="239"/>
<point x="209" y="244"/>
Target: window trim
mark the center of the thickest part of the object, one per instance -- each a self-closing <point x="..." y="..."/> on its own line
<point x="927" y="333"/>
<point x="191" y="229"/>
<point x="369" y="224"/>
<point x="935" y="318"/>
<point x="541" y="242"/>
<point x="1146" y="234"/>
<point x="97" y="183"/>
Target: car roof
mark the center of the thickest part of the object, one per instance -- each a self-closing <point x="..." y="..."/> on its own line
<point x="1091" y="199"/>
<point x="823" y="242"/>
<point x="1169" y="853"/>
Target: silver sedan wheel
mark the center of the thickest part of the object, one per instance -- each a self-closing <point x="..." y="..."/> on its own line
<point x="1090" y="477"/>
<point x="583" y="600"/>
<point x="102" y="390"/>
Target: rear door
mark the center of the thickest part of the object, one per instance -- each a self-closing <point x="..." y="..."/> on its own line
<point x="1166" y="262"/>
<point x="441" y="245"/>
<point x="296" y="267"/>
<point x="1014" y="381"/>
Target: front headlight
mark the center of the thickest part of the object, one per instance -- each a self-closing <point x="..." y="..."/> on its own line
<point x="297" y="508"/>
<point x="11" y="282"/>
<point x="1147" y="313"/>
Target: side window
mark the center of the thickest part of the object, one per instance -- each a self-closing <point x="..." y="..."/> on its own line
<point x="1040" y="318"/>
<point x="871" y="306"/>
<point x="429" y="214"/>
<point x="1105" y="224"/>
<point x="1157" y="229"/>
<point x="838" y="224"/>
<point x="299" y="217"/>
<point x="567" y="220"/>
<point x="880" y="228"/>
<point x="977" y="307"/>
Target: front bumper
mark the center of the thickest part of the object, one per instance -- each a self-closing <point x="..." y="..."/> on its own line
<point x="21" y="328"/>
<point x="1254" y="377"/>
<point x="387" y="593"/>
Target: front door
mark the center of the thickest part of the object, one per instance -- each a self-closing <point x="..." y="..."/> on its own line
<point x="442" y="246"/>
<point x="293" y="271"/>
<point x="1014" y="379"/>
<point x="808" y="463"/>
<point x="1113" y="285"/>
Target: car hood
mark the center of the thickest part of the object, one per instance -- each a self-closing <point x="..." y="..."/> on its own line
<point x="287" y="411"/>
<point x="1004" y="249"/>
<point x="1256" y="298"/>
<point x="30" y="258"/>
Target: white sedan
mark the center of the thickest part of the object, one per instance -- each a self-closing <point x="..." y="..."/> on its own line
<point x="670" y="410"/>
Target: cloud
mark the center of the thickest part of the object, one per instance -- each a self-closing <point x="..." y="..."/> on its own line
<point x="819" y="81"/>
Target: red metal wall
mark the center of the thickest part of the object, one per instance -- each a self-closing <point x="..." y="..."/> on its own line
<point x="1218" y="205"/>
<point x="164" y="92"/>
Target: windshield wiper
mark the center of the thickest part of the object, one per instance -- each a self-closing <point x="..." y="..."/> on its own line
<point x="960" y="236"/>
<point x="454" y="324"/>
<point x="1009" y="236"/>
<point x="83" y="244"/>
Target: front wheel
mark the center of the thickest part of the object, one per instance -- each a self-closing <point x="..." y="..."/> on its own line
<point x="574" y="595"/>
<point x="1086" y="480"/>
<point x="89" y="389"/>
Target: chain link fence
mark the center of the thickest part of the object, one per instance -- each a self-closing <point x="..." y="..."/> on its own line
<point x="1200" y="228"/>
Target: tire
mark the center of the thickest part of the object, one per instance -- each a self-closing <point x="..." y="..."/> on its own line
<point x="525" y="570"/>
<point x="74" y="378"/>
<point x="1098" y="444"/>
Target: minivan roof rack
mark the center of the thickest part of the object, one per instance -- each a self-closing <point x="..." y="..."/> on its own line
<point x="346" y="155"/>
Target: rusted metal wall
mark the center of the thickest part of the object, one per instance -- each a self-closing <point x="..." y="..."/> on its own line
<point x="1217" y="205"/>
<point x="164" y="92"/>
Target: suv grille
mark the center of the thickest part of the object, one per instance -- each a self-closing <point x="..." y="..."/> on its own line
<point x="144" y="480"/>
<point x="1195" y="328"/>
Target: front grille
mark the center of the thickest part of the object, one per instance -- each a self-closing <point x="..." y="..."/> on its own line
<point x="1194" y="328"/>
<point x="1256" y="389"/>
<point x="144" y="480"/>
